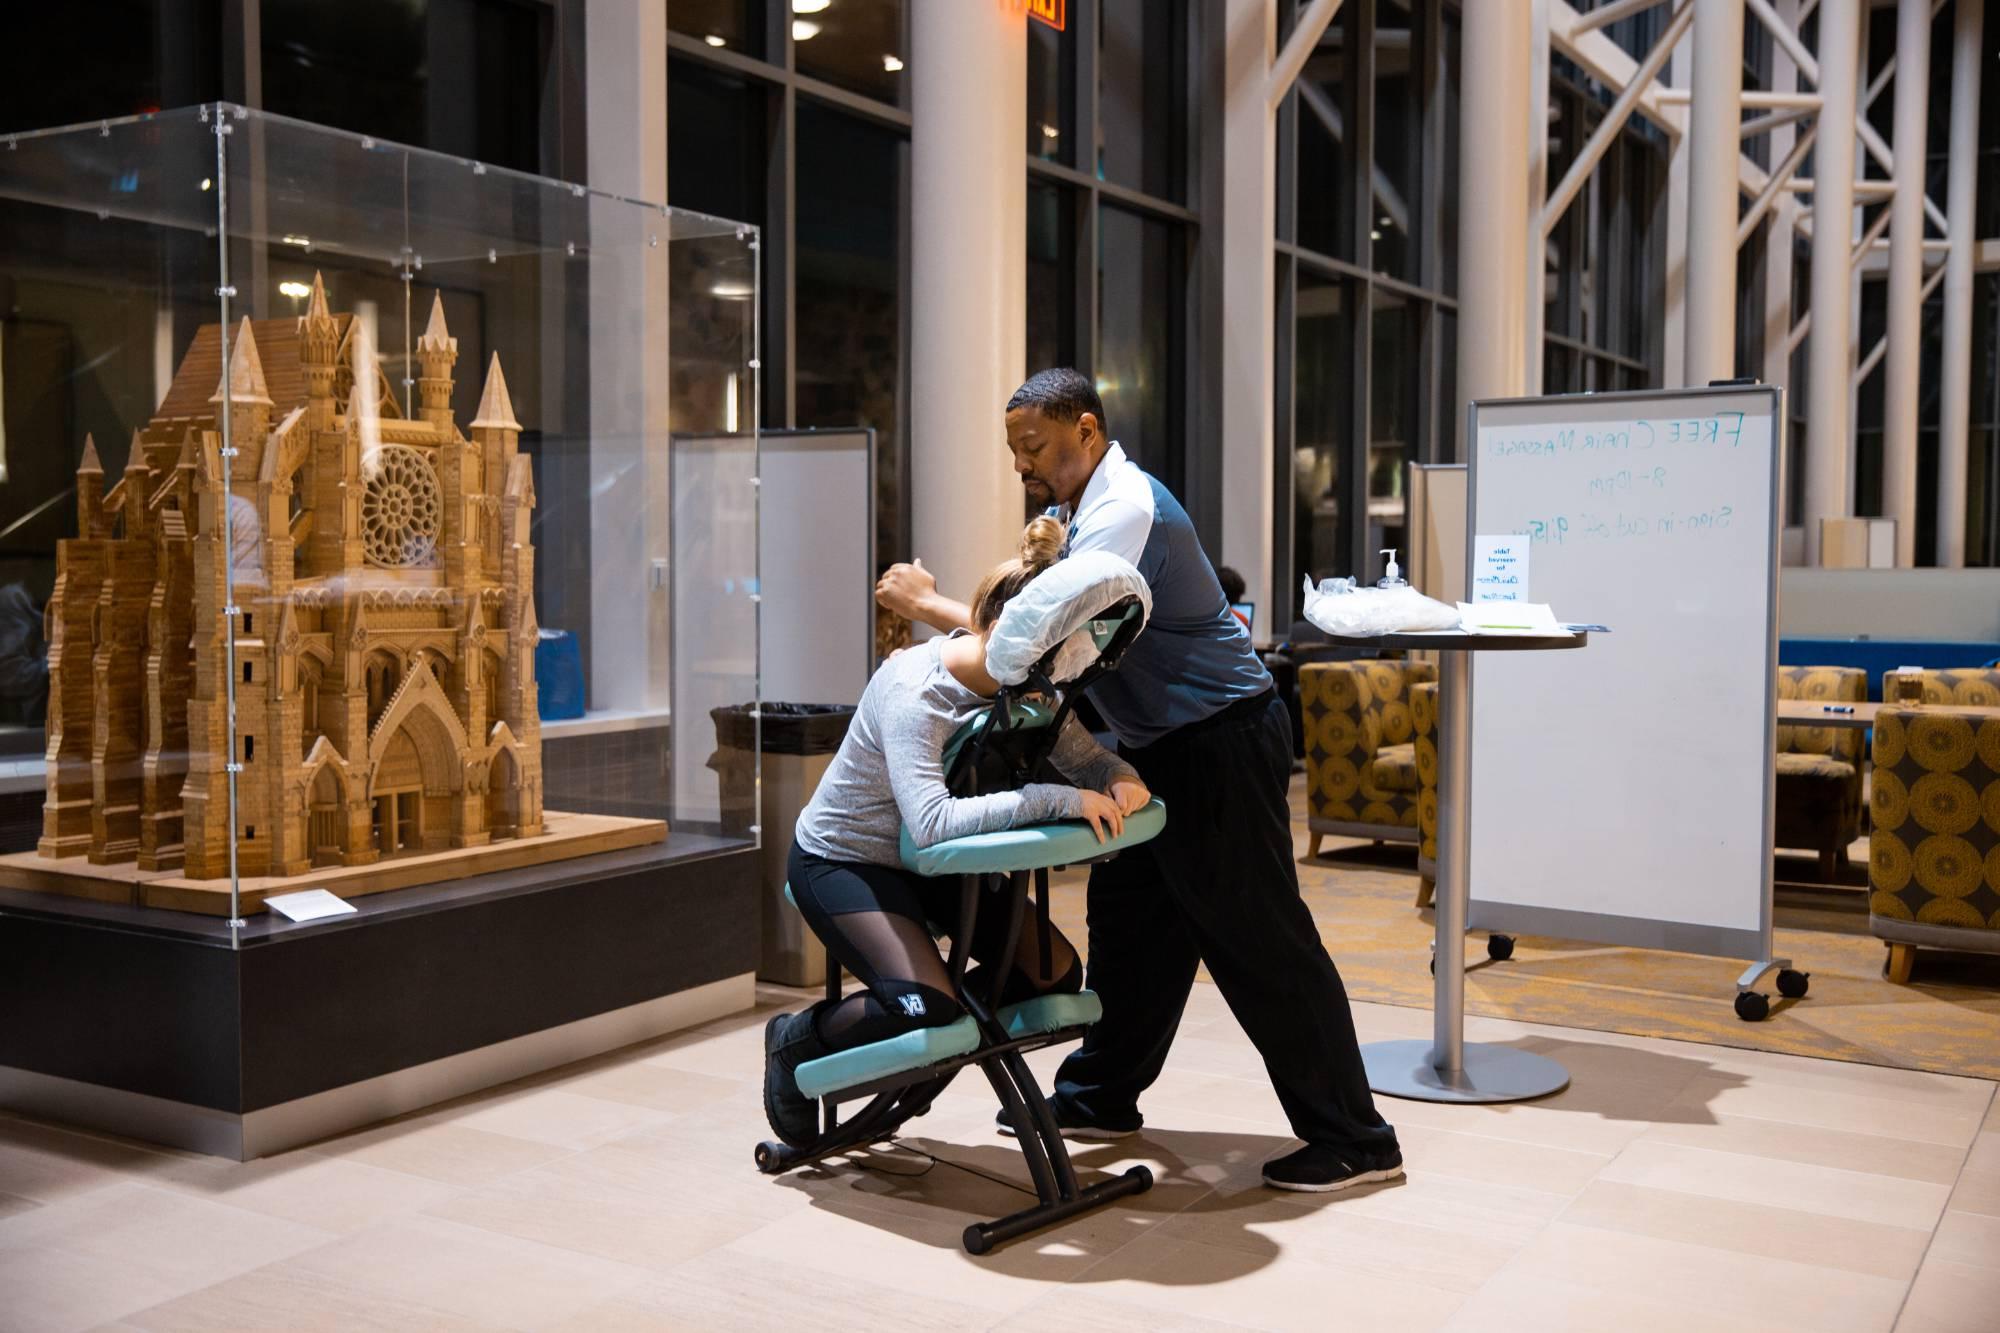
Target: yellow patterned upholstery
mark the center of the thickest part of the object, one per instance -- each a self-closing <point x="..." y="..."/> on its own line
<point x="1934" y="853"/>
<point x="1819" y="768"/>
<point x="1424" y="710"/>
<point x="1362" y="763"/>
<point x="1975" y="687"/>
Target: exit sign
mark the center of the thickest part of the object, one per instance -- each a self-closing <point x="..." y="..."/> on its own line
<point x="1050" y="12"/>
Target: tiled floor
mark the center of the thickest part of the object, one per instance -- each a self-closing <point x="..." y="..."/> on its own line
<point x="1671" y="1187"/>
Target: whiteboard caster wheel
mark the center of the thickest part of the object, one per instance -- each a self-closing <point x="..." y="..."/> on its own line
<point x="767" y="1158"/>
<point x="1792" y="985"/>
<point x="1434" y="967"/>
<point x="1752" y="1006"/>
<point x="1499" y="947"/>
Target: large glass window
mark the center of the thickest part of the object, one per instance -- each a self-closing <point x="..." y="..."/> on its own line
<point x="848" y="301"/>
<point x="1395" y="182"/>
<point x="1052" y="93"/>
<point x="1322" y="425"/>
<point x="1141" y="95"/>
<point x="1324" y="162"/>
<point x="1051" y="277"/>
<point x="68" y="64"/>
<point x="734" y="25"/>
<point x="854" y="44"/>
<point x="1140" y="280"/>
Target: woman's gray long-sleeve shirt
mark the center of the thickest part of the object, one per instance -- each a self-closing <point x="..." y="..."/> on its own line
<point x="889" y="773"/>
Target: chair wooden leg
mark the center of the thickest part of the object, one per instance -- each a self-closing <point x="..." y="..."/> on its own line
<point x="1426" y="890"/>
<point x="1312" y="850"/>
<point x="1902" y="957"/>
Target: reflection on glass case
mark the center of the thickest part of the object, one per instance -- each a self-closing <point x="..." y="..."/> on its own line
<point x="336" y="526"/>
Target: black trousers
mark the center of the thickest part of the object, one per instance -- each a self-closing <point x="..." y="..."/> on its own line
<point x="1219" y="886"/>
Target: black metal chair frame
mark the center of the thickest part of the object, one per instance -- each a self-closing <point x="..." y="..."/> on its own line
<point x="1001" y="756"/>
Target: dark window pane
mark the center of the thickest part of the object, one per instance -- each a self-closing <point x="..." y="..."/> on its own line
<point x="1141" y="95"/>
<point x="1448" y="171"/>
<point x="66" y="64"/>
<point x="1141" y="279"/>
<point x="855" y="44"/>
<point x="1052" y="93"/>
<point x="1051" y="277"/>
<point x="1395" y="206"/>
<point x="1392" y="418"/>
<point x="1451" y="412"/>
<point x="1325" y="168"/>
<point x="850" y="291"/>
<point x="468" y="77"/>
<point x="734" y="24"/>
<point x="1322" y="428"/>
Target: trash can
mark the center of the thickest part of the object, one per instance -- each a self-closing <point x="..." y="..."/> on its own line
<point x="797" y="743"/>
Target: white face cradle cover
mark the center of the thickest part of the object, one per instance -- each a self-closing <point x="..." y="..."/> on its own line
<point x="1053" y="609"/>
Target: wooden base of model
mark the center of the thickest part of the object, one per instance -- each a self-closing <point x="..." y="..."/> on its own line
<point x="565" y="836"/>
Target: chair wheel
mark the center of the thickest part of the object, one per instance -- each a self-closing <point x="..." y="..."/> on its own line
<point x="1141" y="1173"/>
<point x="1499" y="947"/>
<point x="975" y="1240"/>
<point x="1792" y="985"/>
<point x="1752" y="1006"/>
<point x="767" y="1158"/>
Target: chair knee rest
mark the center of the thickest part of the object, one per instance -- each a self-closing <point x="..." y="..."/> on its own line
<point x="921" y="1048"/>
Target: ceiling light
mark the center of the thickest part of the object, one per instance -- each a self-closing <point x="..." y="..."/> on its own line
<point x="207" y="184"/>
<point x="293" y="238"/>
<point x="804" y="30"/>
<point x="1374" y="235"/>
<point x="298" y="291"/>
<point x="1387" y="221"/>
<point x="716" y="39"/>
<point x="809" y="6"/>
<point x="1051" y="132"/>
<point x="730" y="289"/>
<point x="892" y="64"/>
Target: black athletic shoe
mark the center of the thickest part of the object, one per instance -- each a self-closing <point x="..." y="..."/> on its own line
<point x="1316" y="1169"/>
<point x="1074" y="1126"/>
<point x="789" y="1041"/>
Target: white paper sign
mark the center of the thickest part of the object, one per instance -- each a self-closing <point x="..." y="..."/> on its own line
<point x="1500" y="569"/>
<point x="310" y="905"/>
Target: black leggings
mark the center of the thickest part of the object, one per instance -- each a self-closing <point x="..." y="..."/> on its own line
<point x="877" y="921"/>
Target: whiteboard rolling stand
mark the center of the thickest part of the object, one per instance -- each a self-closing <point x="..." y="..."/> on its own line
<point x="1448" y="1068"/>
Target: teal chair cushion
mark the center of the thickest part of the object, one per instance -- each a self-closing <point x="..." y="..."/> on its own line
<point x="1064" y="843"/>
<point x="928" y="1046"/>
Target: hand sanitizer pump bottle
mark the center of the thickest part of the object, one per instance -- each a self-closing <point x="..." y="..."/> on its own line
<point x="1392" y="577"/>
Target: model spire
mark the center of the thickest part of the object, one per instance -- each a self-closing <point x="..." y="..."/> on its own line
<point x="496" y="409"/>
<point x="436" y="337"/>
<point x="244" y="380"/>
<point x="90" y="463"/>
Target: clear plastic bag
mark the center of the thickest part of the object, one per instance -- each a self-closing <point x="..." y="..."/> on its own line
<point x="1339" y="608"/>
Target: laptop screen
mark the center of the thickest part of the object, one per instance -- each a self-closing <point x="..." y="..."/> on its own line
<point x="1245" y="612"/>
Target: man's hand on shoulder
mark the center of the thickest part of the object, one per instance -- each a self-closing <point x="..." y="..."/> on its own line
<point x="906" y="590"/>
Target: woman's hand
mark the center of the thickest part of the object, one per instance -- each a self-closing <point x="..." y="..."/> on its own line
<point x="1128" y="794"/>
<point x="1100" y="811"/>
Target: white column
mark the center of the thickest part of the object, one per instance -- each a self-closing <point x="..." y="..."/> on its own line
<point x="1955" y="405"/>
<point x="1493" y="202"/>
<point x="968" y="283"/>
<point x="625" y="44"/>
<point x="1715" y="132"/>
<point x="1830" y="361"/>
<point x="1782" y="227"/>
<point x="1673" y="315"/>
<point x="1249" y="202"/>
<point x="1906" y="276"/>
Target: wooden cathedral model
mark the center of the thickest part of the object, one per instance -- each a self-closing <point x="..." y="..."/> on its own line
<point x="366" y="580"/>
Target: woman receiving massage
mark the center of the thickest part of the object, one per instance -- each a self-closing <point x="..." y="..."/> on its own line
<point x="846" y="866"/>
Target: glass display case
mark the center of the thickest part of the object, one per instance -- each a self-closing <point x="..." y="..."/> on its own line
<point x="339" y="537"/>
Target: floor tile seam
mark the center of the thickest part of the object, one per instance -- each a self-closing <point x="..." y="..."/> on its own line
<point x="1606" y="1158"/>
<point x="562" y="1155"/>
<point x="1787" y="1161"/>
<point x="1931" y="1243"/>
<point x="1742" y="1114"/>
<point x="1760" y="1203"/>
<point x="247" y="1215"/>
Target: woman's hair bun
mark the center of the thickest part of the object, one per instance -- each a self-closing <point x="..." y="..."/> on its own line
<point x="1042" y="543"/>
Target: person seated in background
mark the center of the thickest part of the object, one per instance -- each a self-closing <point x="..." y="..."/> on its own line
<point x="846" y="869"/>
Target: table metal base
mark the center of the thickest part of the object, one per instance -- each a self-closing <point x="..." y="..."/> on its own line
<point x="1490" y="1073"/>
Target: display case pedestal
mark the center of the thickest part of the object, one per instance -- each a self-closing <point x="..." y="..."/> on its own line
<point x="149" y="1024"/>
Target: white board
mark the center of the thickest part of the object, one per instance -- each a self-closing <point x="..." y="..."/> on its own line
<point x="1622" y="793"/>
<point x="816" y="565"/>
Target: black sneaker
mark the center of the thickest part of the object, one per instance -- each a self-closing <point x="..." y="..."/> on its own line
<point x="1316" y="1169"/>
<point x="789" y="1041"/>
<point x="1074" y="1126"/>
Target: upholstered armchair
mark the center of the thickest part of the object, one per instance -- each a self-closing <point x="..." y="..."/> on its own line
<point x="1361" y="754"/>
<point x="1424" y="712"/>
<point x="1819" y="768"/>
<point x="1934" y="851"/>
<point x="1975" y="687"/>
